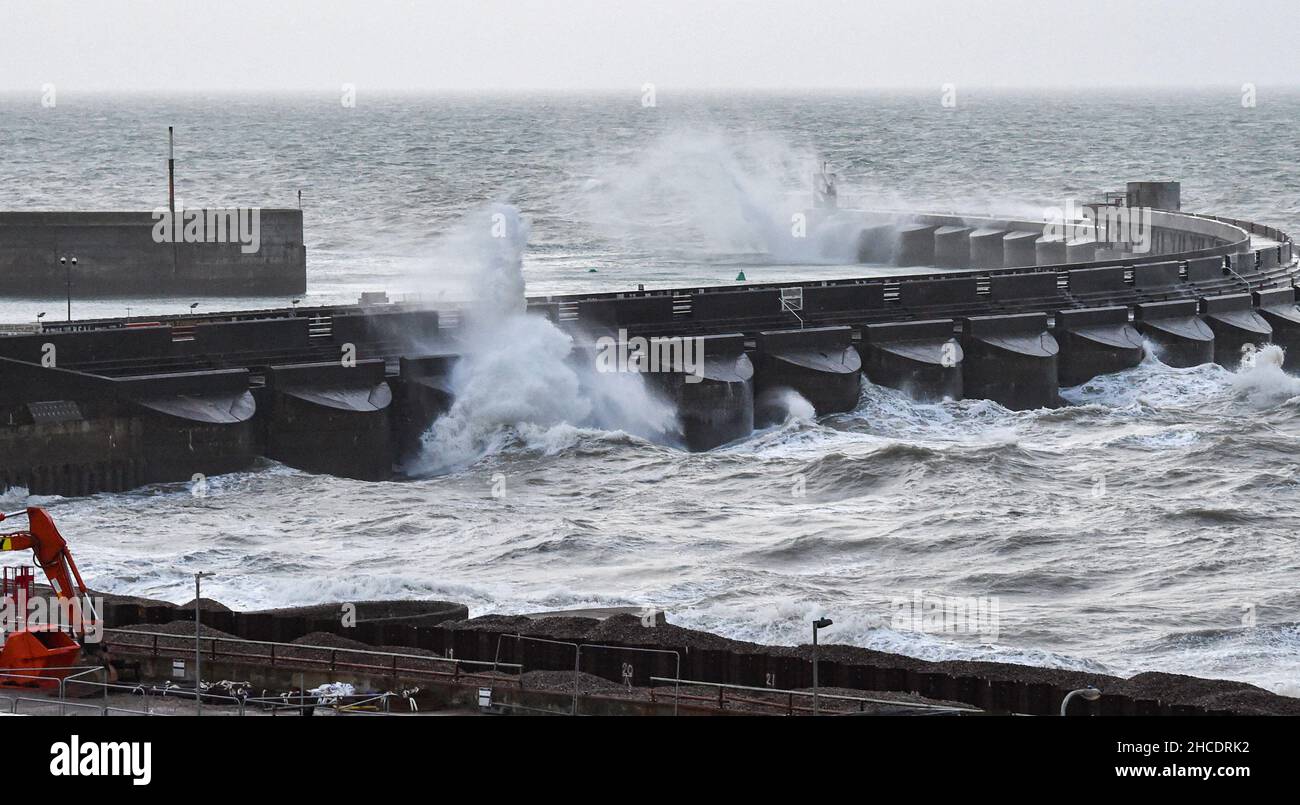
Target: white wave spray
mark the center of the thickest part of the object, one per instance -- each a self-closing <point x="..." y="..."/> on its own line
<point x="518" y="377"/>
<point x="705" y="195"/>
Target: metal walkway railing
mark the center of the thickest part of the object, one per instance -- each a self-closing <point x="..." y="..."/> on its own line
<point x="789" y="696"/>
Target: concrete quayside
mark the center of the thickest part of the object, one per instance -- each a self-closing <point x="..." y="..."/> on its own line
<point x="107" y="405"/>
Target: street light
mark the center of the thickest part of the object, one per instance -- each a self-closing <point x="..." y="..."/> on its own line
<point x="820" y="623"/>
<point x="40" y="316"/>
<point x="1088" y="694"/>
<point x="198" y="655"/>
<point x="67" y="270"/>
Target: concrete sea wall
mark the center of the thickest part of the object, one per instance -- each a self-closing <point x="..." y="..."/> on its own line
<point x="104" y="405"/>
<point x="117" y="255"/>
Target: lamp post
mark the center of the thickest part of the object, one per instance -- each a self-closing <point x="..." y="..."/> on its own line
<point x="67" y="272"/>
<point x="1088" y="694"/>
<point x="39" y="324"/>
<point x="198" y="655"/>
<point x="820" y="623"/>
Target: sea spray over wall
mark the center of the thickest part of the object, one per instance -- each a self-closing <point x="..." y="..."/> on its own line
<point x="1261" y="380"/>
<point x="705" y="195"/>
<point x="518" y="376"/>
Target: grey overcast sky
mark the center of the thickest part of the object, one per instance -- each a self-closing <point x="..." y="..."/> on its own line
<point x="243" y="45"/>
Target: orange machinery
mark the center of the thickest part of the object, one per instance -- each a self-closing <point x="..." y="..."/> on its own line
<point x="39" y="654"/>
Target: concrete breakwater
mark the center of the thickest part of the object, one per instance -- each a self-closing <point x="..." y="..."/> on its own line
<point x="124" y="254"/>
<point x="107" y="405"/>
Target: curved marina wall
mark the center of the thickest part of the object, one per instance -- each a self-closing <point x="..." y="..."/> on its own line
<point x="348" y="390"/>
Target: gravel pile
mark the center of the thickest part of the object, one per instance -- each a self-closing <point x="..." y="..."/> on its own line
<point x="1216" y="694"/>
<point x="176" y="628"/>
<point x="206" y="605"/>
<point x="567" y="629"/>
<point x="331" y="640"/>
<point x="423" y="613"/>
<point x="627" y="629"/>
<point x="562" y="682"/>
<point x="184" y="640"/>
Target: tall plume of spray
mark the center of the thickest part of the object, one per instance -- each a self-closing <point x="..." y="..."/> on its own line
<point x="706" y="195"/>
<point x="712" y="196"/>
<point x="518" y="377"/>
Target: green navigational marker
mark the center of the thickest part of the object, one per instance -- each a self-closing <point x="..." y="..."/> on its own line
<point x="740" y="277"/>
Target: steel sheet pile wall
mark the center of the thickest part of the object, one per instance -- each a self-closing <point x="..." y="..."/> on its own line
<point x="776" y="669"/>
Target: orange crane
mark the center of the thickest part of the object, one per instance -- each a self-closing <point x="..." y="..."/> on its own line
<point x="40" y="653"/>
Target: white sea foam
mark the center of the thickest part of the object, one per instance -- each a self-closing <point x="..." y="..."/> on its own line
<point x="518" y="372"/>
<point x="1261" y="381"/>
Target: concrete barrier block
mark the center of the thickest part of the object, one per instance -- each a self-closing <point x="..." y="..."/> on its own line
<point x="1095" y="341"/>
<point x="877" y="244"/>
<point x="1050" y="251"/>
<point x="830" y="299"/>
<point x="1157" y="275"/>
<point x="626" y="312"/>
<point x="1277" y="306"/>
<point x="952" y="245"/>
<point x="915" y="245"/>
<point x="407" y="328"/>
<point x="1039" y="285"/>
<point x="75" y="349"/>
<point x="1238" y="327"/>
<point x="331" y="418"/>
<point x="925" y="293"/>
<point x="716" y="405"/>
<point x="921" y="358"/>
<point x="1081" y="250"/>
<point x="259" y="335"/>
<point x="820" y="364"/>
<point x="1245" y="263"/>
<point x="1205" y="269"/>
<point x="996" y="326"/>
<point x="1180" y="337"/>
<point x="1097" y="280"/>
<point x="1011" y="360"/>
<point x="728" y="305"/>
<point x="1020" y="248"/>
<point x="986" y="249"/>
